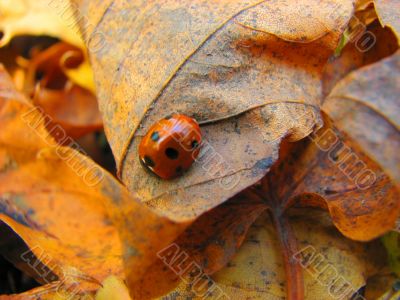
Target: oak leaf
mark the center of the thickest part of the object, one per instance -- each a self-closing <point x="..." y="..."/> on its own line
<point x="248" y="82"/>
<point x="334" y="169"/>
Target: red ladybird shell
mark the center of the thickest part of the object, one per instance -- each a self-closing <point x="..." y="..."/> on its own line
<point x="171" y="146"/>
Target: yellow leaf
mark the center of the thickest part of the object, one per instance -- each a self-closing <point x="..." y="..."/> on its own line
<point x="333" y="266"/>
<point x="55" y="18"/>
<point x="75" y="208"/>
<point x="81" y="75"/>
<point x="38" y="17"/>
<point x="113" y="288"/>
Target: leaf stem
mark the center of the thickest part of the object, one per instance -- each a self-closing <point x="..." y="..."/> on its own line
<point x="294" y="272"/>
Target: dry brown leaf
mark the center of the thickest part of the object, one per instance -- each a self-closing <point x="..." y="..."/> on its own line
<point x="363" y="4"/>
<point x="251" y="74"/>
<point x="352" y="56"/>
<point x="241" y="77"/>
<point x="365" y="105"/>
<point x="55" y="18"/>
<point x="389" y="14"/>
<point x="73" y="108"/>
<point x="52" y="291"/>
<point x="382" y="286"/>
<point x="313" y="172"/>
<point x="308" y="173"/>
<point x="67" y="104"/>
<point x="334" y="267"/>
<point x="210" y="242"/>
<point x="66" y="209"/>
<point x="332" y="171"/>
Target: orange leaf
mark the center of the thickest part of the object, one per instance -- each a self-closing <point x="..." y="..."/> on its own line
<point x="241" y="77"/>
<point x="65" y="103"/>
<point x="365" y="105"/>
<point x="209" y="243"/>
<point x="65" y="208"/>
<point x="334" y="267"/>
<point x="342" y="170"/>
<point x="353" y="56"/>
<point x="73" y="108"/>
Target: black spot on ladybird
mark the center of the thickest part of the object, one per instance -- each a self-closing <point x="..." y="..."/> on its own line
<point x="195" y="144"/>
<point x="148" y="161"/>
<point x="155" y="136"/>
<point x="171" y="153"/>
<point x="168" y="117"/>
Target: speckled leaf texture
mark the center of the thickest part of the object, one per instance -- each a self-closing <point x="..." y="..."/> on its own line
<point x="248" y="71"/>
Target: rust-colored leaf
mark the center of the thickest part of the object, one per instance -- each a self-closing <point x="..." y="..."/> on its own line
<point x="67" y="104"/>
<point x="241" y="77"/>
<point x="46" y="67"/>
<point x="73" y="108"/>
<point x="330" y="170"/>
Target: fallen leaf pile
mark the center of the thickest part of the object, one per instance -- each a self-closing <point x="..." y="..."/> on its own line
<point x="295" y="194"/>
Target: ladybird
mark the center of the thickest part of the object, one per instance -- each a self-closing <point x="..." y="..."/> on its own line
<point x="170" y="146"/>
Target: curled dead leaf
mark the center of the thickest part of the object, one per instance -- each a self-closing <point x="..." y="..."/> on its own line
<point x="365" y="105"/>
<point x="249" y="83"/>
<point x="73" y="108"/>
<point x="354" y="56"/>
<point x="67" y="104"/>
<point x="54" y="198"/>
